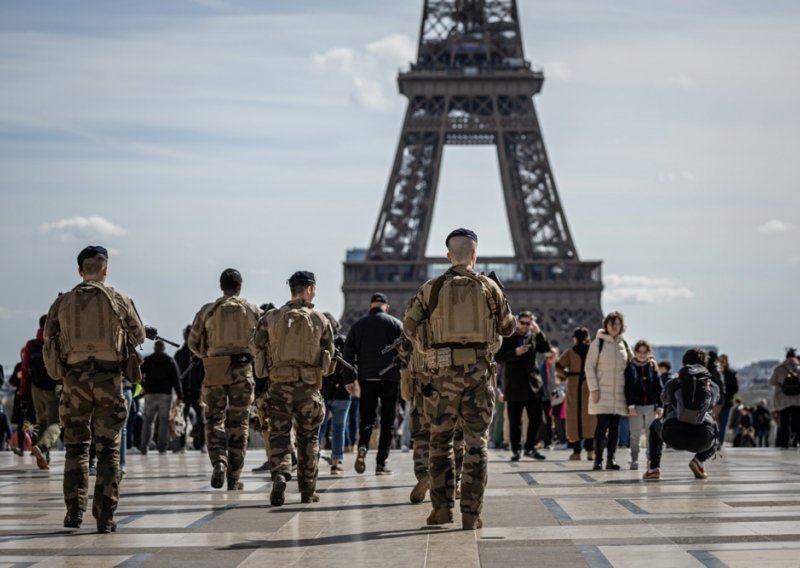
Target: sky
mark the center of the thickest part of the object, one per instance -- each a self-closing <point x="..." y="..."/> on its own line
<point x="192" y="136"/>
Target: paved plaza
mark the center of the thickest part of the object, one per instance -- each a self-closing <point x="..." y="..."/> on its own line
<point x="551" y="513"/>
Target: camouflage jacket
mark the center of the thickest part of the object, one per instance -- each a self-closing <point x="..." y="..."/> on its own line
<point x="198" y="339"/>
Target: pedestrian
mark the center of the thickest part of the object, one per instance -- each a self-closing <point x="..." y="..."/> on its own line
<point x="731" y="383"/>
<point x="161" y="377"/>
<point x="220" y="336"/>
<point x="88" y="337"/>
<point x="293" y="346"/>
<point x="642" y="394"/>
<point x="523" y="384"/>
<point x="786" y="398"/>
<point x="609" y="355"/>
<point x="762" y="421"/>
<point x="23" y="411"/>
<point x="572" y="367"/>
<point x="378" y="378"/>
<point x="457" y="320"/>
<point x="191" y="370"/>
<point x="45" y="398"/>
<point x="337" y="402"/>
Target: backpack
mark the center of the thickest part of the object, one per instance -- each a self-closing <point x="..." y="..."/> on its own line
<point x="295" y="333"/>
<point x="229" y="327"/>
<point x="90" y="325"/>
<point x="461" y="311"/>
<point x="36" y="368"/>
<point x="694" y="395"/>
<point x="791" y="383"/>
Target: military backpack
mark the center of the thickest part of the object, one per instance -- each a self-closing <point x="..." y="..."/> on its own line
<point x="229" y="326"/>
<point x="295" y="344"/>
<point x="462" y="311"/>
<point x="90" y="325"/>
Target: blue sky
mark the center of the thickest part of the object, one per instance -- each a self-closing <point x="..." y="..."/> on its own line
<point x="189" y="136"/>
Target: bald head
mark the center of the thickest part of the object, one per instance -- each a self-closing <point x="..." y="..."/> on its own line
<point x="462" y="250"/>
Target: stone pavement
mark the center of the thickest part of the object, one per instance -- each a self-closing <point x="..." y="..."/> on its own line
<point x="552" y="513"/>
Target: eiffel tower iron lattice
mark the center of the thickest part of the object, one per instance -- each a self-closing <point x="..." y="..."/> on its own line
<point x="471" y="85"/>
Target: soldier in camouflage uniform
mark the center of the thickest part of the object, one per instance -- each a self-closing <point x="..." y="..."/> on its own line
<point x="220" y="335"/>
<point x="293" y="346"/>
<point x="413" y="381"/>
<point x="87" y="334"/>
<point x="456" y="321"/>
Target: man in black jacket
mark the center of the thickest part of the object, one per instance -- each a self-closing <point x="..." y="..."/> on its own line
<point x="192" y="374"/>
<point x="161" y="376"/>
<point x="377" y="378"/>
<point x="523" y="384"/>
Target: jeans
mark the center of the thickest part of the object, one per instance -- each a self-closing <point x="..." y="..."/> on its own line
<point x="133" y="411"/>
<point x="624" y="432"/>
<point x="339" y="410"/>
<point x="156" y="405"/>
<point x="128" y="394"/>
<point x="724" y="413"/>
<point x="353" y="416"/>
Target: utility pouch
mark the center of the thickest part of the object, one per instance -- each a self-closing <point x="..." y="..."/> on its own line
<point x="311" y="376"/>
<point x="133" y="365"/>
<point x="218" y="370"/>
<point x="464" y="357"/>
<point x="406" y="384"/>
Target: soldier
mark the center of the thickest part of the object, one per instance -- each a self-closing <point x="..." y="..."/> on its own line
<point x="262" y="408"/>
<point x="220" y="335"/>
<point x="456" y="320"/>
<point x="293" y="346"/>
<point x="87" y="337"/>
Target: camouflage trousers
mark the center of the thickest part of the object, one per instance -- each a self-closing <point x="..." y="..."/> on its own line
<point x="46" y="404"/>
<point x="262" y="413"/>
<point x="470" y="397"/>
<point x="301" y="404"/>
<point x="228" y="420"/>
<point x="420" y="427"/>
<point x="92" y="395"/>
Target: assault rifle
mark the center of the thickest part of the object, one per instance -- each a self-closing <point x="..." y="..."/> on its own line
<point x="396" y="360"/>
<point x="352" y="368"/>
<point x="151" y="333"/>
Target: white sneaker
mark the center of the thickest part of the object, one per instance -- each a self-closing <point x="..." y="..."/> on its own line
<point x="634" y="465"/>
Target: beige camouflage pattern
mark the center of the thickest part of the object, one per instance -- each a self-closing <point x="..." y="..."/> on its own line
<point x="198" y="340"/>
<point x="48" y="429"/>
<point x="227" y="411"/>
<point x="302" y="404"/>
<point x="92" y="393"/>
<point x="420" y="427"/>
<point x="262" y="415"/>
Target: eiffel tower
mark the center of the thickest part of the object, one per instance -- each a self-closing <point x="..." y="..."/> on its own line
<point x="472" y="85"/>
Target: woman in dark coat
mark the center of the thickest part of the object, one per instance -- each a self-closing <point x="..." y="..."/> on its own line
<point x="570" y="367"/>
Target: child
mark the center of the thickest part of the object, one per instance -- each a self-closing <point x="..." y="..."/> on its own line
<point x="688" y="423"/>
<point x="642" y="394"/>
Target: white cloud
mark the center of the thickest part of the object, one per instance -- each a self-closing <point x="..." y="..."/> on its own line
<point x="83" y="228"/>
<point x="774" y="226"/>
<point x="643" y="290"/>
<point x="372" y="70"/>
<point x="683" y="81"/>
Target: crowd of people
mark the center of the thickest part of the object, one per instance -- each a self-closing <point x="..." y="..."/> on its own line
<point x="459" y="370"/>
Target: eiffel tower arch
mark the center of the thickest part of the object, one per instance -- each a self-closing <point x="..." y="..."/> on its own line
<point x="470" y="85"/>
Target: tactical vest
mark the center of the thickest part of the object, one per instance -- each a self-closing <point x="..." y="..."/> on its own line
<point x="90" y="325"/>
<point x="229" y="327"/>
<point x="295" y="335"/>
<point x="462" y="312"/>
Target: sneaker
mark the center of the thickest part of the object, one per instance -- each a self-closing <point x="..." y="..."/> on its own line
<point x="598" y="466"/>
<point x="276" y="498"/>
<point x="471" y="522"/>
<point x="652" y="475"/>
<point x="263" y="468"/>
<point x="515" y="457"/>
<point x="420" y="489"/>
<point x="337" y="470"/>
<point x="106" y="527"/>
<point x="441" y="516"/>
<point x="218" y="475"/>
<point x="234" y="485"/>
<point x="537" y="456"/>
<point x="73" y="520"/>
<point x="634" y="464"/>
<point x="361" y="465"/>
<point x="309" y="498"/>
<point x="383" y="469"/>
<point x="575" y="456"/>
<point x="612" y="465"/>
<point x="41" y="460"/>
<point x="697" y="469"/>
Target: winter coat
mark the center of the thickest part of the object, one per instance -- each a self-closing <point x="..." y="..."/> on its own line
<point x="642" y="385"/>
<point x="605" y="371"/>
<point x="731" y="385"/>
<point x="570" y="367"/>
<point x="779" y="399"/>
<point x="364" y="343"/>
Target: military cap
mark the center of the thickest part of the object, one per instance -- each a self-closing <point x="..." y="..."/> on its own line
<point x="378" y="297"/>
<point x="461" y="233"/>
<point x="230" y="279"/>
<point x="302" y="277"/>
<point x="90" y="252"/>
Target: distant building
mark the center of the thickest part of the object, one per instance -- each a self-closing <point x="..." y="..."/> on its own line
<point x="674" y="353"/>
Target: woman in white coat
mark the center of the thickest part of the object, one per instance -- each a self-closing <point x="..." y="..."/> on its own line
<point x="608" y="356"/>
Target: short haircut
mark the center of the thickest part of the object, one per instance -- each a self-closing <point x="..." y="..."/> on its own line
<point x="461" y="248"/>
<point x="666" y="364"/>
<point x="614" y="316"/>
<point x="526" y="314"/>
<point x="159" y="346"/>
<point x="695" y="356"/>
<point x="297" y="289"/>
<point x="581" y="334"/>
<point x="643" y="343"/>
<point x="93" y="265"/>
<point x="42" y="320"/>
<point x="230" y="280"/>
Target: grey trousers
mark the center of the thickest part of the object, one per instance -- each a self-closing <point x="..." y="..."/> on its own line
<point x="156" y="405"/>
<point x="638" y="425"/>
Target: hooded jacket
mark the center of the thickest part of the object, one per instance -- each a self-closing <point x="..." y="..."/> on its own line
<point x="779" y="399"/>
<point x="605" y="371"/>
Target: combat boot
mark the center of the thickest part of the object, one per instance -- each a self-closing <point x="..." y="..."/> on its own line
<point x="263" y="468"/>
<point x="361" y="460"/>
<point x="471" y="521"/>
<point x="218" y="475"/>
<point x="276" y="498"/>
<point x="106" y="527"/>
<point x="41" y="460"/>
<point x="73" y="520"/>
<point x="309" y="498"/>
<point x="420" y="489"/>
<point x="440" y="516"/>
<point x="234" y="485"/>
